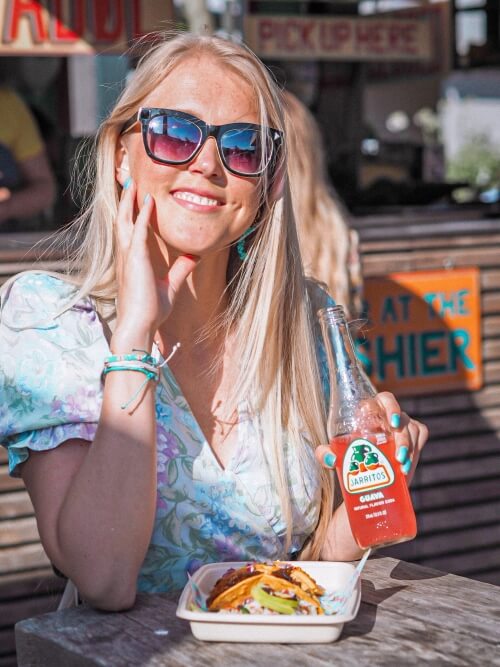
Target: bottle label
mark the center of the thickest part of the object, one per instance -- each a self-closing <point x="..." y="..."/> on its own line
<point x="365" y="467"/>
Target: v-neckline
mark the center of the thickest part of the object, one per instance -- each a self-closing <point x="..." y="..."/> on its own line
<point x="165" y="369"/>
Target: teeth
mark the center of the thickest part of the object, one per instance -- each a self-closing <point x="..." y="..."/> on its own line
<point x="196" y="199"/>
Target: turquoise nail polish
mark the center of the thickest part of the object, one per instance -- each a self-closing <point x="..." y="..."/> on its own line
<point x="402" y="454"/>
<point x="395" y="420"/>
<point x="127" y="183"/>
<point x="147" y="198"/>
<point x="329" y="459"/>
<point x="406" y="467"/>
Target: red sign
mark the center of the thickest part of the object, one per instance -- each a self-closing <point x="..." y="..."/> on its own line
<point x="438" y="17"/>
<point x="63" y="27"/>
<point x="339" y="38"/>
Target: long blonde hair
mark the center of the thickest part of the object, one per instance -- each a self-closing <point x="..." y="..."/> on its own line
<point x="269" y="307"/>
<point x="328" y="246"/>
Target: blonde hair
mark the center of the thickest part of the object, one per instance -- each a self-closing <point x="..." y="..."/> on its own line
<point x="268" y="299"/>
<point x="328" y="246"/>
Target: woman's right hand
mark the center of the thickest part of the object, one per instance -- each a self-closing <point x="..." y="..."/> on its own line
<point x="145" y="299"/>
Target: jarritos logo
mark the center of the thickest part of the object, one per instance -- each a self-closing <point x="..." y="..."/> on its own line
<point x="365" y="467"/>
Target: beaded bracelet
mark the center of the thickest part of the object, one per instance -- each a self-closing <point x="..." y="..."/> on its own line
<point x="133" y="356"/>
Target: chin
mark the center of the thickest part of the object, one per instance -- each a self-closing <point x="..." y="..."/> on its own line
<point x="192" y="244"/>
<point x="186" y="247"/>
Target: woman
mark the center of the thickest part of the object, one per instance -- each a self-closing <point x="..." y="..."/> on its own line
<point x="329" y="248"/>
<point x="190" y="232"/>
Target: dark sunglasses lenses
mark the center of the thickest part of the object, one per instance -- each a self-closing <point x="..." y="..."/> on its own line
<point x="242" y="151"/>
<point x="176" y="140"/>
<point x="172" y="139"/>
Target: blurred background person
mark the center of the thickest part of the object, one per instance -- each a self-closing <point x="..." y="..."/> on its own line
<point x="27" y="184"/>
<point x="329" y="247"/>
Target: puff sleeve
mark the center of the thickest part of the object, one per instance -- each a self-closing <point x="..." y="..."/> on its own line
<point x="50" y="366"/>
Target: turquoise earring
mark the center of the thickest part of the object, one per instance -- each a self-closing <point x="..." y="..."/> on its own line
<point x="240" y="246"/>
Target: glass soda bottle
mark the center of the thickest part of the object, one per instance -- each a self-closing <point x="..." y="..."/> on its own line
<point x="375" y="491"/>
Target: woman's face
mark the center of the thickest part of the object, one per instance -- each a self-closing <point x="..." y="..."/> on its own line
<point x="200" y="207"/>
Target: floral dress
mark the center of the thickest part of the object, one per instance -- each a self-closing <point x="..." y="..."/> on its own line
<point x="51" y="391"/>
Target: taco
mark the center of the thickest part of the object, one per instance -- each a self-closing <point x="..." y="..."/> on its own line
<point x="277" y="588"/>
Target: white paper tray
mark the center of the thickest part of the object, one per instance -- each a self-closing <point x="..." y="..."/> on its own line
<point x="227" y="627"/>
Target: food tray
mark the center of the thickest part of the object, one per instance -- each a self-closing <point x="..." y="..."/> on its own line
<point x="230" y="627"/>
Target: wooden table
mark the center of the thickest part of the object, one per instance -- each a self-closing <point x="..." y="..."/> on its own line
<point x="409" y="615"/>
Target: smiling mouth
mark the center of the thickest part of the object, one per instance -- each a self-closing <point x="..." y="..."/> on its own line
<point x="196" y="199"/>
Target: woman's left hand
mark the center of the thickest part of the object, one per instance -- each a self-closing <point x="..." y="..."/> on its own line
<point x="410" y="437"/>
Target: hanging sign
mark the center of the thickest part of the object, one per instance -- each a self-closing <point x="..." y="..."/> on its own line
<point x="68" y="27"/>
<point x="424" y="332"/>
<point x="339" y="38"/>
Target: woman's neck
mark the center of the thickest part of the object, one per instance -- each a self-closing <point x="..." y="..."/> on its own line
<point x="199" y="303"/>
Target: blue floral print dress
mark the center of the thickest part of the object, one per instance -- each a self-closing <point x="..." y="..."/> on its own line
<point x="51" y="391"/>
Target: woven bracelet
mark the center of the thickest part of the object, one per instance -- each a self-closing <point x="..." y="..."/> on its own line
<point x="150" y="371"/>
<point x="142" y="367"/>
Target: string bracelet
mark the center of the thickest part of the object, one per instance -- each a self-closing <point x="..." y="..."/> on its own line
<point x="129" y="365"/>
<point x="174" y="350"/>
<point x="138" y="361"/>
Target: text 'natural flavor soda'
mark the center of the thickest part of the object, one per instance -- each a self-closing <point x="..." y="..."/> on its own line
<point x="374" y="489"/>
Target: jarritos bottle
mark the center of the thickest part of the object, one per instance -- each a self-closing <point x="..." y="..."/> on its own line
<point x="375" y="492"/>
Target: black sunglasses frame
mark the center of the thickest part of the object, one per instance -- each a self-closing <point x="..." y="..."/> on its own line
<point x="146" y="114"/>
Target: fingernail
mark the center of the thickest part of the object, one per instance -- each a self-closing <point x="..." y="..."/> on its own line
<point x="147" y="198"/>
<point x="329" y="459"/>
<point x="395" y="420"/>
<point x="406" y="467"/>
<point x="127" y="183"/>
<point x="193" y="257"/>
<point x="402" y="454"/>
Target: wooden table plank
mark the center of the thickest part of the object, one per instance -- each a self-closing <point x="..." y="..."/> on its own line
<point x="409" y="615"/>
<point x="8" y="484"/>
<point x="475" y="560"/>
<point x="22" y="557"/>
<point x="400" y="244"/>
<point x="469" y="444"/>
<point x="15" y="504"/>
<point x="18" y="531"/>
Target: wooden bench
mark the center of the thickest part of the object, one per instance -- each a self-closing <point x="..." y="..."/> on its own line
<point x="456" y="490"/>
<point x="20" y="252"/>
<point x="28" y="585"/>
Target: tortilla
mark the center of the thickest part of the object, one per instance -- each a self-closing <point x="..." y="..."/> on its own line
<point x="235" y="586"/>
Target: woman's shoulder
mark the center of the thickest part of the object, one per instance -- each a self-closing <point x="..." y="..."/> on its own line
<point x="39" y="283"/>
<point x="52" y="349"/>
<point x="33" y="299"/>
<point x="318" y="294"/>
<point x="320" y="298"/>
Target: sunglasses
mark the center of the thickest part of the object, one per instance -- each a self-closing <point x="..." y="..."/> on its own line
<point x="174" y="137"/>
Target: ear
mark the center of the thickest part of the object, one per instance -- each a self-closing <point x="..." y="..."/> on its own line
<point x="122" y="168"/>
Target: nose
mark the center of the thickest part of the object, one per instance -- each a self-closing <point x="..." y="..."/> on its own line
<point x="208" y="162"/>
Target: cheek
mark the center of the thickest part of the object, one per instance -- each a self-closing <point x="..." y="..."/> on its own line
<point x="248" y="197"/>
<point x="152" y="178"/>
<point x="142" y="168"/>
